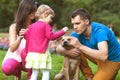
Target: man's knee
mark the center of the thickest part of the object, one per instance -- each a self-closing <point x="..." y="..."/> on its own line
<point x="103" y="76"/>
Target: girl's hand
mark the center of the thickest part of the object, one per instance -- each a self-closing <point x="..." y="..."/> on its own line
<point x="65" y="29"/>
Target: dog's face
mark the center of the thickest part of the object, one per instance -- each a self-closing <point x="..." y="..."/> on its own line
<point x="65" y="42"/>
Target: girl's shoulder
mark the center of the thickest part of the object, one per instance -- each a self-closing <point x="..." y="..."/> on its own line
<point x="42" y="22"/>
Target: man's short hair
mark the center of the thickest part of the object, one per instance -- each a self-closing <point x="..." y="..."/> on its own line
<point x="83" y="13"/>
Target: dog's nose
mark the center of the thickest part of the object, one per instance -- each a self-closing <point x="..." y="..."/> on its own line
<point x="65" y="42"/>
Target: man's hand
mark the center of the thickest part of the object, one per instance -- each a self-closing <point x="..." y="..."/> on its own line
<point x="75" y="42"/>
<point x="71" y="53"/>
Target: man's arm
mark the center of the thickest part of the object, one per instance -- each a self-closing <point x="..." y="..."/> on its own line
<point x="100" y="54"/>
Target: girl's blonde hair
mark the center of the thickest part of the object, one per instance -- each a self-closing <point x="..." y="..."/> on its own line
<point x="44" y="9"/>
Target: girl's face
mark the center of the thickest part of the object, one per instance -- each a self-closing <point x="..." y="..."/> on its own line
<point x="49" y="18"/>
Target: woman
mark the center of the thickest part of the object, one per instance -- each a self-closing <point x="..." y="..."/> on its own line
<point x="24" y="17"/>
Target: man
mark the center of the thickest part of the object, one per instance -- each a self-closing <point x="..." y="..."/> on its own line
<point x="97" y="43"/>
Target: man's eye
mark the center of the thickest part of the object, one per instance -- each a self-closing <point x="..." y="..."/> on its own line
<point x="77" y="23"/>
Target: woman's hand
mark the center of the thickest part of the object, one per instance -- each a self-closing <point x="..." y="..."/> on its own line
<point x="21" y="33"/>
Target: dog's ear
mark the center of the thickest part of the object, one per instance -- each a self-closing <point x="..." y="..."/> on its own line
<point x="57" y="41"/>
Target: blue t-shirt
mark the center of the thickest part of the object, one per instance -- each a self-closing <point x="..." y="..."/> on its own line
<point x="101" y="33"/>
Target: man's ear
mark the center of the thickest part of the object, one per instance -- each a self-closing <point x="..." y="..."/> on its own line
<point x="87" y="21"/>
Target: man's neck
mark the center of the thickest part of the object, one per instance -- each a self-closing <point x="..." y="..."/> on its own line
<point x="88" y="31"/>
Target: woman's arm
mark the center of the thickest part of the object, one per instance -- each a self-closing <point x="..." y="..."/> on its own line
<point x="14" y="40"/>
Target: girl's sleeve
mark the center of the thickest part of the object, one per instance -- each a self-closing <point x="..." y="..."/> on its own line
<point x="53" y="35"/>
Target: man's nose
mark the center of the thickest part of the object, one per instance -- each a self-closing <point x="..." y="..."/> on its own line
<point x="74" y="26"/>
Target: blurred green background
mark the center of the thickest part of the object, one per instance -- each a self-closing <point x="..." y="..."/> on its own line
<point x="104" y="11"/>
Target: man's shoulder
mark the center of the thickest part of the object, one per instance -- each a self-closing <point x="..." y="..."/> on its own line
<point x="98" y="24"/>
<point x="73" y="33"/>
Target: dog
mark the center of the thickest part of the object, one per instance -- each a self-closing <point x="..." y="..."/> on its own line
<point x="70" y="70"/>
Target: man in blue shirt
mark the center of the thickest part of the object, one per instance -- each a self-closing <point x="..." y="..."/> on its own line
<point x="97" y="42"/>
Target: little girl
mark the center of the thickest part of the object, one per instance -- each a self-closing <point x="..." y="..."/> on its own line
<point x="37" y="38"/>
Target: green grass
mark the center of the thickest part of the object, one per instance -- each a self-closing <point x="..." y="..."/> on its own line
<point x="3" y="34"/>
<point x="57" y="62"/>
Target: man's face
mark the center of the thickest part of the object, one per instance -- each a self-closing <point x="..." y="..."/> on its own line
<point x="79" y="25"/>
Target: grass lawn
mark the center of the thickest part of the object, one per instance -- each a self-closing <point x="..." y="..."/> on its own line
<point x="3" y="34"/>
<point x="57" y="62"/>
